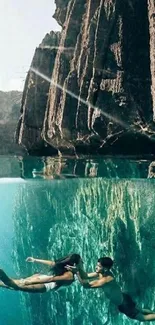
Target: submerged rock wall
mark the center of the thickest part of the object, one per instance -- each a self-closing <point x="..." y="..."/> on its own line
<point x="93" y="217"/>
<point x="102" y="91"/>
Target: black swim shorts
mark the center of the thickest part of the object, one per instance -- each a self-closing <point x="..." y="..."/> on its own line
<point x="128" y="307"/>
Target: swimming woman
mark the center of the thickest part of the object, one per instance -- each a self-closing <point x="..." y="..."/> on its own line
<point x="43" y="283"/>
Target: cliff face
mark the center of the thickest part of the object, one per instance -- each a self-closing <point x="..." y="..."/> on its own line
<point x="102" y="91"/>
<point x="151" y="6"/>
<point x="35" y="95"/>
<point x="10" y="103"/>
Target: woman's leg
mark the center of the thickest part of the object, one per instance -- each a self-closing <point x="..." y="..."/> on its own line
<point x="38" y="279"/>
<point x="2" y="285"/>
<point x="8" y="281"/>
<point x="33" y="288"/>
<point x="35" y="278"/>
<point x="38" y="288"/>
<point x="28" y="280"/>
<point x="32" y="276"/>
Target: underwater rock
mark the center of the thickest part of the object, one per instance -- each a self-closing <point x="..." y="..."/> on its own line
<point x="102" y="92"/>
<point x="93" y="217"/>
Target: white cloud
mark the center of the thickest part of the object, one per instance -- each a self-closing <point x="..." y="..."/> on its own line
<point x="16" y="84"/>
<point x="0" y="83"/>
<point x="12" y="84"/>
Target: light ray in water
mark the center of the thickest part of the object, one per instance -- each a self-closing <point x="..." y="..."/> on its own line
<point x="110" y="117"/>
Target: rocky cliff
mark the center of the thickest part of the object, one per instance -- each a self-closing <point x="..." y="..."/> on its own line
<point x="101" y="95"/>
<point x="35" y="96"/>
<point x="10" y="103"/>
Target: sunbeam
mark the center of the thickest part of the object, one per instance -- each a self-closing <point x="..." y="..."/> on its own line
<point x="60" y="48"/>
<point x="88" y="104"/>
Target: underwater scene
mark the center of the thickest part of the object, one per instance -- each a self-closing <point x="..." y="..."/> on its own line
<point x="95" y="208"/>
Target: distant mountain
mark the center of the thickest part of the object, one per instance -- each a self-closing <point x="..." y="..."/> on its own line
<point x="10" y="103"/>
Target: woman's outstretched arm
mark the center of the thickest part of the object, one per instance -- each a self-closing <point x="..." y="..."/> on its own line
<point x="36" y="260"/>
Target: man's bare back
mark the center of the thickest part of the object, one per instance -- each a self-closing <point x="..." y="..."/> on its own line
<point x="112" y="290"/>
<point x="105" y="280"/>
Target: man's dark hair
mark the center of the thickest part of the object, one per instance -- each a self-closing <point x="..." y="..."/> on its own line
<point x="106" y="262"/>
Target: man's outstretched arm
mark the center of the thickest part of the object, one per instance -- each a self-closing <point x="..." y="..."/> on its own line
<point x="90" y="284"/>
<point x="36" y="260"/>
<point x="84" y="274"/>
<point x="92" y="275"/>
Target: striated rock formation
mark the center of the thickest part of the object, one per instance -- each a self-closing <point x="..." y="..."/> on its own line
<point x="151" y="6"/>
<point x="10" y="103"/>
<point x="102" y="91"/>
<point x="35" y="95"/>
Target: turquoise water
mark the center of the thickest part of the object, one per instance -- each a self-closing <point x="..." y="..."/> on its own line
<point x="93" y="216"/>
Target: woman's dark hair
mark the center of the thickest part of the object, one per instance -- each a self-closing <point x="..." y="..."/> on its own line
<point x="60" y="264"/>
<point x="106" y="262"/>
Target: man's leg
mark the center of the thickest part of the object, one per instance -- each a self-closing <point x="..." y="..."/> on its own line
<point x="145" y="317"/>
<point x="149" y="317"/>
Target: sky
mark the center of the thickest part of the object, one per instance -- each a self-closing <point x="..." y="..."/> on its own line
<point x="23" y="25"/>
